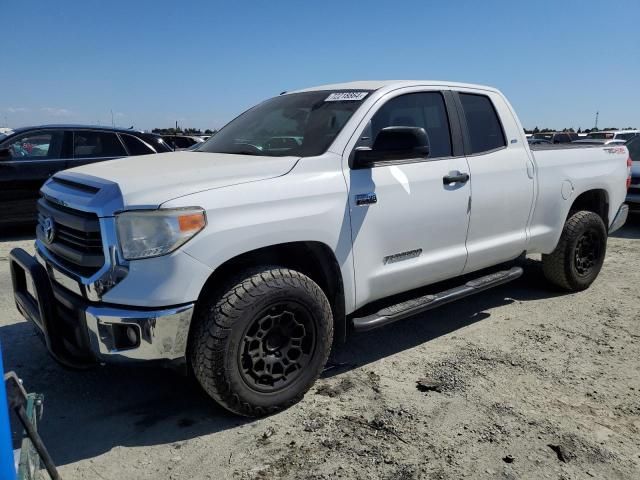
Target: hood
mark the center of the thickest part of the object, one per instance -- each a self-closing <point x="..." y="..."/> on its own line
<point x="150" y="180"/>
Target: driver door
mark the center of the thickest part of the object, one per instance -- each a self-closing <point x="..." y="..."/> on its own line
<point x="411" y="228"/>
<point x="35" y="156"/>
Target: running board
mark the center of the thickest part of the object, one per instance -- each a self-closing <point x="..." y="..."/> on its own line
<point x="414" y="306"/>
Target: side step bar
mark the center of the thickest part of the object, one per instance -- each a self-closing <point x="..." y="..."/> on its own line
<point x="414" y="306"/>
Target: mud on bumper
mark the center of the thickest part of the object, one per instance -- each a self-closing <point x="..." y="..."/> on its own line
<point x="80" y="333"/>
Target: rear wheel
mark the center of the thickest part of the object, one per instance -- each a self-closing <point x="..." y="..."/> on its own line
<point x="261" y="342"/>
<point x="577" y="259"/>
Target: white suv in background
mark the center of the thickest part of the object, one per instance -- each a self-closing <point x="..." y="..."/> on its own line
<point x="613" y="135"/>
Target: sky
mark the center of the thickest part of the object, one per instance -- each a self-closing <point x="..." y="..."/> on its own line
<point x="201" y="63"/>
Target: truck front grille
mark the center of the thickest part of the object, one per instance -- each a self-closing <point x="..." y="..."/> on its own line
<point x="73" y="237"/>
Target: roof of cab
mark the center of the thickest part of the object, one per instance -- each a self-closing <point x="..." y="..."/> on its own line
<point x="391" y="84"/>
<point x="71" y="126"/>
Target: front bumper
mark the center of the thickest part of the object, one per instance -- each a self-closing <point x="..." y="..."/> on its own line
<point x="79" y="332"/>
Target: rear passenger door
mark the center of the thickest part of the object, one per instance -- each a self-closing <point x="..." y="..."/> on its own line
<point x="90" y="146"/>
<point x="501" y="176"/>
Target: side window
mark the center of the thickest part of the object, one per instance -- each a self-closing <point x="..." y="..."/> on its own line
<point x="135" y="145"/>
<point x="181" y="142"/>
<point x="625" y="136"/>
<point x="87" y="144"/>
<point x="485" y="130"/>
<point x="41" y="145"/>
<point x="426" y="110"/>
<point x="634" y="149"/>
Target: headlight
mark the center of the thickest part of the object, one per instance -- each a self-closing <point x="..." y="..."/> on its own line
<point x="150" y="233"/>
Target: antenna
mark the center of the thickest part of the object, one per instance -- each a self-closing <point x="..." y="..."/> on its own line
<point x="112" y="122"/>
<point x="597" y="113"/>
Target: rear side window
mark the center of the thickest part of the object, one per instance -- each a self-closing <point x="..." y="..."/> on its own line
<point x="625" y="136"/>
<point x="135" y="145"/>
<point x="426" y="110"/>
<point x="88" y="144"/>
<point x="483" y="124"/>
<point x="634" y="149"/>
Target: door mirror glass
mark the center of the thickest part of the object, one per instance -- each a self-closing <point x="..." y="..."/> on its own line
<point x="394" y="143"/>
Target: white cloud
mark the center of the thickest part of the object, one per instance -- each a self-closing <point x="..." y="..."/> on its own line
<point x="16" y="109"/>
<point x="57" y="112"/>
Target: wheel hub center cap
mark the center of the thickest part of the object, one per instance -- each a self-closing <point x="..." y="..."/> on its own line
<point x="275" y="340"/>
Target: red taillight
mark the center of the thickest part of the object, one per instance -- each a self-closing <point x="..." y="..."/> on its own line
<point x="629" y="163"/>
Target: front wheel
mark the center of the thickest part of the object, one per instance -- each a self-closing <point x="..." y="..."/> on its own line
<point x="577" y="259"/>
<point x="261" y="342"/>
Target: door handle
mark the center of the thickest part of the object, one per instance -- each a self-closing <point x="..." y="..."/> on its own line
<point x="458" y="177"/>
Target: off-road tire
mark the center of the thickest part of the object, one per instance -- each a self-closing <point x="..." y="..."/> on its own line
<point x="561" y="267"/>
<point x="219" y="335"/>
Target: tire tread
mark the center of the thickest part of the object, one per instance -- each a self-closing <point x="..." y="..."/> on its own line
<point x="214" y="322"/>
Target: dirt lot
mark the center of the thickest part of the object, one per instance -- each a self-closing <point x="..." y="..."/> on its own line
<point x="520" y="382"/>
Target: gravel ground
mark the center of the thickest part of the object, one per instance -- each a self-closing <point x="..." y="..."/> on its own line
<point x="519" y="382"/>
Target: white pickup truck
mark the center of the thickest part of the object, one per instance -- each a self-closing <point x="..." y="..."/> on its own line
<point x="246" y="258"/>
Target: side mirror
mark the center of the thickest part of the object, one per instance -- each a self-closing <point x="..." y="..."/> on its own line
<point x="5" y="154"/>
<point x="394" y="143"/>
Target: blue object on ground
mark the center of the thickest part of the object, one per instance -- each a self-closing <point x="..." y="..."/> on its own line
<point x="7" y="467"/>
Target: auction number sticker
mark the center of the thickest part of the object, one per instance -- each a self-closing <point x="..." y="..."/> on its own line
<point x="345" y="96"/>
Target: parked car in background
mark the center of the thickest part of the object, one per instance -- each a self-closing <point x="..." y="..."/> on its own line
<point x="633" y="195"/>
<point x="538" y="141"/>
<point x="182" y="142"/>
<point x="598" y="141"/>
<point x="622" y="135"/>
<point x="31" y="155"/>
<point x="556" y="137"/>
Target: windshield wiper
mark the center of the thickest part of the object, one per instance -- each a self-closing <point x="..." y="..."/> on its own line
<point x="243" y="152"/>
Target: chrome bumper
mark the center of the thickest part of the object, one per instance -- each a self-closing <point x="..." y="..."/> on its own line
<point x="54" y="304"/>
<point x="620" y="218"/>
<point x="162" y="334"/>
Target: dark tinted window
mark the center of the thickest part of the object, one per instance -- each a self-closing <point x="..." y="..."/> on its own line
<point x="36" y="145"/>
<point x="543" y="136"/>
<point x="634" y="148"/>
<point x="135" y="146"/>
<point x="485" y="130"/>
<point x="88" y="144"/>
<point x="605" y="135"/>
<point x="625" y="136"/>
<point x="426" y="110"/>
<point x="183" y="142"/>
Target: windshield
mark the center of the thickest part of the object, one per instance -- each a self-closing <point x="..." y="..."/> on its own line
<point x="299" y="124"/>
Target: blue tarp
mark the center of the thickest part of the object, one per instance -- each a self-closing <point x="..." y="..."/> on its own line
<point x="7" y="468"/>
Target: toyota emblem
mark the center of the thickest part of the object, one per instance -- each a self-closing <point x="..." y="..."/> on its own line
<point x="49" y="229"/>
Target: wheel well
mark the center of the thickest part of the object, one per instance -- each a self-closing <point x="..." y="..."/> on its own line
<point x="596" y="201"/>
<point x="315" y="259"/>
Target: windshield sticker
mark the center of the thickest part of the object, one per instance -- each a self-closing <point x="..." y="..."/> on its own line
<point x="346" y="96"/>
